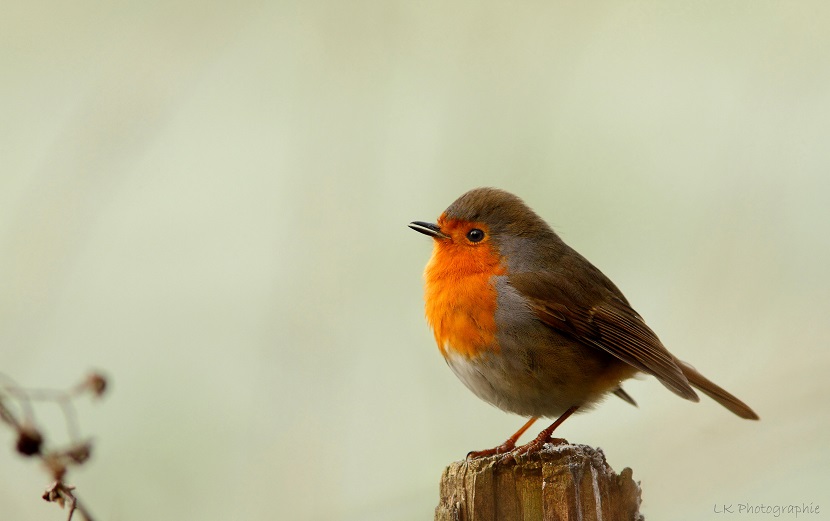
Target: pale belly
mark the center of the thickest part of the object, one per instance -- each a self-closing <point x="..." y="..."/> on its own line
<point x="512" y="386"/>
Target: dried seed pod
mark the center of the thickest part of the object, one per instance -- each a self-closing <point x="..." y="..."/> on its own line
<point x="29" y="440"/>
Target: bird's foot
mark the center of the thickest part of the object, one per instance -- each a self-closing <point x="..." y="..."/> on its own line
<point x="543" y="437"/>
<point x="504" y="448"/>
<point x="531" y="447"/>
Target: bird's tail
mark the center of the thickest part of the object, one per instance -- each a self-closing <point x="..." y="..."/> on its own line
<point x="715" y="392"/>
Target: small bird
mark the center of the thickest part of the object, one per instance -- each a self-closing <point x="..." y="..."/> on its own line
<point x="532" y="327"/>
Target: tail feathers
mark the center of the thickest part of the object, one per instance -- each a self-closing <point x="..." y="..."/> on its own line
<point x="715" y="392"/>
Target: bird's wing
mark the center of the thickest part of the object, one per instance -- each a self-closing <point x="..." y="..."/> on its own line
<point x="597" y="316"/>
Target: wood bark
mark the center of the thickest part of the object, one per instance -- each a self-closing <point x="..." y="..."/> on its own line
<point x="561" y="482"/>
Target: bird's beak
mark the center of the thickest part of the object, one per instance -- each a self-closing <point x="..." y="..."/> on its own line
<point x="428" y="229"/>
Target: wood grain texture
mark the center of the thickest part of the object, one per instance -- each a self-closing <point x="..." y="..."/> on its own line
<point x="561" y="482"/>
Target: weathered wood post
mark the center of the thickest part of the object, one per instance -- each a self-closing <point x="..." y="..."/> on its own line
<point x="561" y="482"/>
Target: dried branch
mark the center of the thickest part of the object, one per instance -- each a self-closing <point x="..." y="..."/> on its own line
<point x="30" y="440"/>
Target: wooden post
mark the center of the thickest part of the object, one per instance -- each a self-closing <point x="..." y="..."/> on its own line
<point x="561" y="482"/>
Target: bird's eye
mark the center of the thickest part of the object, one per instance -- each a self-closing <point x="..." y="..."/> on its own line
<point x="475" y="235"/>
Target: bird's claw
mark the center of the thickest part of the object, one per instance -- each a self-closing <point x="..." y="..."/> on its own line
<point x="504" y="448"/>
<point x="533" y="446"/>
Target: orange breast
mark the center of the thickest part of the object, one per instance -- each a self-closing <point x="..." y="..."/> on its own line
<point x="460" y="297"/>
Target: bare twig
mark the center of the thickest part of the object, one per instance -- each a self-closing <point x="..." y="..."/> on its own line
<point x="30" y="441"/>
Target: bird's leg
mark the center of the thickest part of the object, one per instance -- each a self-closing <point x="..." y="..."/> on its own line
<point x="545" y="436"/>
<point x="507" y="446"/>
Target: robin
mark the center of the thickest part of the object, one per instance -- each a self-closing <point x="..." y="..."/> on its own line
<point x="532" y="327"/>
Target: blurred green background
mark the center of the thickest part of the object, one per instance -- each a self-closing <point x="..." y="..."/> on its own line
<point x="208" y="201"/>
